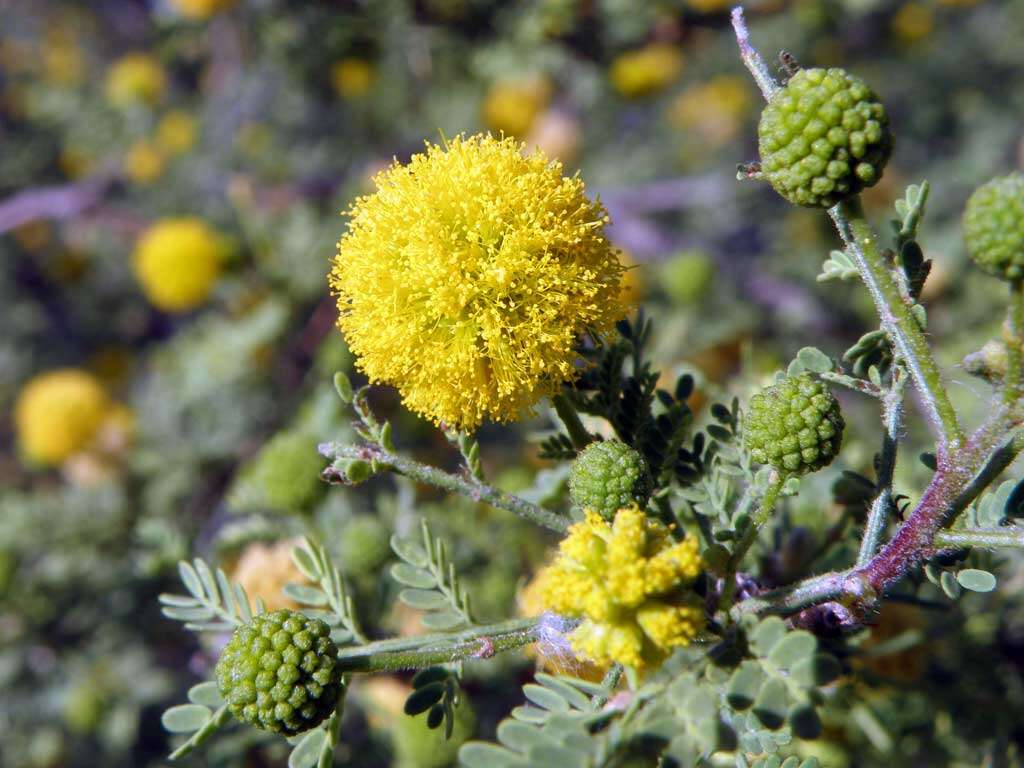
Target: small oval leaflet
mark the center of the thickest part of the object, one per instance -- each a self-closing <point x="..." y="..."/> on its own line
<point x="976" y="580"/>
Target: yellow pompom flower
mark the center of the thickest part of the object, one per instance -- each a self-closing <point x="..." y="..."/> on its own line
<point x="352" y="77"/>
<point x="58" y="414"/>
<point x="467" y="278"/>
<point x="176" y="132"/>
<point x="646" y="71"/>
<point x="144" y="162"/>
<point x="135" y="78"/>
<point x="628" y="580"/>
<point x="177" y="261"/>
<point x="512" y="106"/>
<point x="201" y="9"/>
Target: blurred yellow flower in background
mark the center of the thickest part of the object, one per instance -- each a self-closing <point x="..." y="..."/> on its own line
<point x="200" y="9"/>
<point x="177" y="262"/>
<point x="144" y="162"/>
<point x="176" y="132"/>
<point x="646" y="71"/>
<point x="627" y="579"/>
<point x="913" y="22"/>
<point x="263" y="569"/>
<point x="512" y="106"/>
<point x="352" y="77"/>
<point x="715" y="109"/>
<point x="466" y="279"/>
<point x="58" y="414"/>
<point x="63" y="62"/>
<point x="135" y="78"/>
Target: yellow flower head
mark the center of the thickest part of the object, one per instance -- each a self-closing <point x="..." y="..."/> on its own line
<point x="177" y="262"/>
<point x="628" y="581"/>
<point x="467" y="278"/>
<point x="58" y="414"/>
<point x="176" y="132"/>
<point x="144" y="162"/>
<point x="135" y="78"/>
<point x="352" y="77"/>
<point x="648" y="70"/>
<point x="201" y="9"/>
<point x="512" y="106"/>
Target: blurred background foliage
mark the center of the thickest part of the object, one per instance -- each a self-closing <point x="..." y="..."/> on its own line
<point x="191" y="393"/>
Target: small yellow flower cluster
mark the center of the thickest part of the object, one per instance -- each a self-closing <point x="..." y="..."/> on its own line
<point x="177" y="261"/>
<point x="512" y="106"/>
<point x="136" y="78"/>
<point x="352" y="77"/>
<point x="201" y="9"/>
<point x="144" y="162"/>
<point x="468" y="277"/>
<point x="646" y="71"/>
<point x="629" y="581"/>
<point x="59" y="414"/>
<point x="176" y="132"/>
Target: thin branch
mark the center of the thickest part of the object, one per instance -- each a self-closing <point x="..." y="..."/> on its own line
<point x="757" y="522"/>
<point x="751" y="58"/>
<point x="1014" y="337"/>
<point x="898" y="321"/>
<point x="962" y="538"/>
<point x="577" y="432"/>
<point x="56" y="202"/>
<point x="443" y="648"/>
<point x="448" y="482"/>
<point x="892" y="421"/>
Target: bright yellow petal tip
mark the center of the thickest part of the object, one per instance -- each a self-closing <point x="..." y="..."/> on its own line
<point x="467" y="278"/>
<point x="629" y="580"/>
<point x="177" y="262"/>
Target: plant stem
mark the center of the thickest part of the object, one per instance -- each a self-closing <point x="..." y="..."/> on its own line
<point x="448" y="482"/>
<point x="757" y="522"/>
<point x="751" y="58"/>
<point x="1014" y="337"/>
<point x="577" y="432"/>
<point x="878" y="515"/>
<point x="920" y="533"/>
<point x="897" y="319"/>
<point x="443" y="648"/>
<point x="962" y="538"/>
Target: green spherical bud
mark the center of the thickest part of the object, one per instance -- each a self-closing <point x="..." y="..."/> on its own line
<point x="794" y="426"/>
<point x="608" y="476"/>
<point x="823" y="137"/>
<point x="364" y="545"/>
<point x="283" y="477"/>
<point x="994" y="227"/>
<point x="278" y="672"/>
<point x="687" y="277"/>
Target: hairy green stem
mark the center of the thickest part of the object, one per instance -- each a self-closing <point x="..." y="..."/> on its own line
<point x="963" y="538"/>
<point x="1014" y="341"/>
<point x="878" y="514"/>
<point x="577" y="432"/>
<point x="447" y="481"/>
<point x="442" y="648"/>
<point x="898" y="321"/>
<point x="217" y="721"/>
<point x="757" y="522"/>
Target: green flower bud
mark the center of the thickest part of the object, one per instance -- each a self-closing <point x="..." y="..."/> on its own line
<point x="608" y="476"/>
<point x="994" y="227"/>
<point x="279" y="674"/>
<point x="794" y="426"/>
<point x="823" y="137"/>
